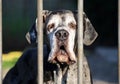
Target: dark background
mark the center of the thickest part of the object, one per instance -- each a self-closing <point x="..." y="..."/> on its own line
<point x="19" y="15"/>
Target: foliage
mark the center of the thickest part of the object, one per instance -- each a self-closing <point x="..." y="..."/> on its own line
<point x="10" y="59"/>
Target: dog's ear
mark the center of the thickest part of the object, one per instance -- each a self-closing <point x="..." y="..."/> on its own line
<point x="89" y="34"/>
<point x="31" y="36"/>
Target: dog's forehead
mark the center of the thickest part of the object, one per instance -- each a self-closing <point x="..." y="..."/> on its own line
<point x="62" y="16"/>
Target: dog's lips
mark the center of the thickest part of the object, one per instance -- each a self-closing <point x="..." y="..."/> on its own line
<point x="62" y="56"/>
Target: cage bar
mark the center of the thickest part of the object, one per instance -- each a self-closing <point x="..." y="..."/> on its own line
<point x="0" y="41"/>
<point x="40" y="40"/>
<point x="80" y="41"/>
<point x="119" y="41"/>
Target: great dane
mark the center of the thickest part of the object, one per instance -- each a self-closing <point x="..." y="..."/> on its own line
<point x="60" y="51"/>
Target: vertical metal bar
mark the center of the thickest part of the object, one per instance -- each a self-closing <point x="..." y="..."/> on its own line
<point x="80" y="41"/>
<point x="0" y="41"/>
<point x="40" y="40"/>
<point x="119" y="41"/>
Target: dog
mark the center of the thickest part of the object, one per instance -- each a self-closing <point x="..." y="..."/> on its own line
<point x="60" y="51"/>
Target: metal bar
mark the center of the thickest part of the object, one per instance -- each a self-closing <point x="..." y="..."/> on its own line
<point x="0" y="41"/>
<point x="119" y="41"/>
<point x="80" y="41"/>
<point x="40" y="40"/>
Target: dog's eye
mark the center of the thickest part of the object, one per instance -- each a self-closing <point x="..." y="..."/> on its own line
<point x="50" y="26"/>
<point x="72" y="25"/>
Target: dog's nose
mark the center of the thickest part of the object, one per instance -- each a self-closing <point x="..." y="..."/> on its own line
<point x="62" y="35"/>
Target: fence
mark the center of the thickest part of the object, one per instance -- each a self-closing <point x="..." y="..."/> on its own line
<point x="40" y="41"/>
<point x="0" y="41"/>
<point x="80" y="41"/>
<point x="119" y="41"/>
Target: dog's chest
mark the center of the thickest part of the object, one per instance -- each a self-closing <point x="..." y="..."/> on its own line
<point x="69" y="75"/>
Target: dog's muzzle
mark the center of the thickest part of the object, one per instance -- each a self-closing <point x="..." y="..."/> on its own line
<point x="62" y="36"/>
<point x="61" y="53"/>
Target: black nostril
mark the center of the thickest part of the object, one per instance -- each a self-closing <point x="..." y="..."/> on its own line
<point x="62" y="34"/>
<point x="65" y="34"/>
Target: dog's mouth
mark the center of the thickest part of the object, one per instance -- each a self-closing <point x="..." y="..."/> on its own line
<point x="62" y="55"/>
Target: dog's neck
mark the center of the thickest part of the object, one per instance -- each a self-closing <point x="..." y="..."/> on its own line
<point x="63" y="68"/>
<point x="66" y="74"/>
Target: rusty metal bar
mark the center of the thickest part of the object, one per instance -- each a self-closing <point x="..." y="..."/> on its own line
<point x="80" y="41"/>
<point x="0" y="41"/>
<point x="119" y="41"/>
<point x="40" y="40"/>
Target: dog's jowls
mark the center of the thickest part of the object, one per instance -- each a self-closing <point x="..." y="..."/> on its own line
<point x="60" y="55"/>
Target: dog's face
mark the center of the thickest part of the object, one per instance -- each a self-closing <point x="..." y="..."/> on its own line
<point x="60" y="28"/>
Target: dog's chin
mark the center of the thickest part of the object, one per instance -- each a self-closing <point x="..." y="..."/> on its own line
<point x="62" y="56"/>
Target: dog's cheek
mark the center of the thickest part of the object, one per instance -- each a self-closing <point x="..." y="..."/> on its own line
<point x="53" y="46"/>
<point x="71" y="38"/>
<point x="52" y="39"/>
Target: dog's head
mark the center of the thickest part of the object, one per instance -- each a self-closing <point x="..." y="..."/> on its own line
<point x="60" y="29"/>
